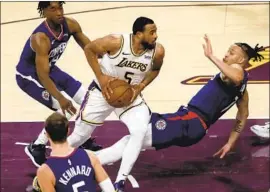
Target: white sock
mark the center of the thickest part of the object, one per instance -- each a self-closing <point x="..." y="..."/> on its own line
<point x="112" y="153"/>
<point x="42" y="138"/>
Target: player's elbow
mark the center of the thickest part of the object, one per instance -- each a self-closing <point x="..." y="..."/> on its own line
<point x="246" y="114"/>
<point x="89" y="48"/>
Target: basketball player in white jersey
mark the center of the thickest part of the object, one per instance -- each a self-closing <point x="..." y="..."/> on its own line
<point x="136" y="58"/>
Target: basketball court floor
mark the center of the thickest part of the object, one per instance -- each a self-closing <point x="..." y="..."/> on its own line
<point x="181" y="27"/>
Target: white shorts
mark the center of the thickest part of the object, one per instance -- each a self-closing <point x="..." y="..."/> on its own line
<point x="95" y="110"/>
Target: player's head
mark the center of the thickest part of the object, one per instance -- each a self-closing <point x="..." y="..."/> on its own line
<point x="241" y="53"/>
<point x="52" y="10"/>
<point x="145" y="29"/>
<point x="56" y="126"/>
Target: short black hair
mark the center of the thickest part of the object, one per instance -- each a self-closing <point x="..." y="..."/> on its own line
<point x="251" y="52"/>
<point x="56" y="125"/>
<point x="140" y="23"/>
<point x="44" y="4"/>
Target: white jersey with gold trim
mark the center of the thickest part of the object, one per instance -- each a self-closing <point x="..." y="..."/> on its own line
<point x="125" y="64"/>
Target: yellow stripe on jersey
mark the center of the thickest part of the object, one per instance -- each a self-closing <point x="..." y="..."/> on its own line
<point x="132" y="48"/>
<point x="130" y="108"/>
<point x="82" y="110"/>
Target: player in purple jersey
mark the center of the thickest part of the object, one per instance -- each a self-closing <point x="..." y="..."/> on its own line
<point x="39" y="77"/>
<point x="188" y="125"/>
<point x="69" y="169"/>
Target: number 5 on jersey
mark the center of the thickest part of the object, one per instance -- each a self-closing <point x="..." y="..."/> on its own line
<point x="128" y="76"/>
<point x="77" y="185"/>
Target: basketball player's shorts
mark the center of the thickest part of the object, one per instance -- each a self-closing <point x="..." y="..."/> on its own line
<point x="95" y="109"/>
<point x="182" y="128"/>
<point x="32" y="86"/>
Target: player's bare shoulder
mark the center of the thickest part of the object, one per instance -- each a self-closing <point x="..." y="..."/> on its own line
<point x="93" y="158"/>
<point x="40" y="41"/>
<point x="240" y="75"/>
<point x="158" y="57"/>
<point x="160" y="51"/>
<point x="73" y="25"/>
<point x="115" y="42"/>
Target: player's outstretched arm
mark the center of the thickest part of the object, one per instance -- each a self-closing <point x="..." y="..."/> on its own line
<point x="233" y="72"/>
<point x="102" y="177"/>
<point x="157" y="64"/>
<point x="46" y="179"/>
<point x="109" y="44"/>
<point x="40" y="43"/>
<point x="241" y="119"/>
<point x="76" y="30"/>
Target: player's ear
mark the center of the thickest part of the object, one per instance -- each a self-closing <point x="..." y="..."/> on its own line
<point x="241" y="60"/>
<point x="140" y="34"/>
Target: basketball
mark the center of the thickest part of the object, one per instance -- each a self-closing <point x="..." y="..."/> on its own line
<point x="122" y="93"/>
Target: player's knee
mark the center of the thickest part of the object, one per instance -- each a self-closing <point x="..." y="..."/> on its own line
<point x="76" y="140"/>
<point x="194" y="136"/>
<point x="125" y="139"/>
<point x="82" y="128"/>
<point x="138" y="131"/>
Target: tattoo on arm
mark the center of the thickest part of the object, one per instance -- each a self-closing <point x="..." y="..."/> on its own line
<point x="238" y="126"/>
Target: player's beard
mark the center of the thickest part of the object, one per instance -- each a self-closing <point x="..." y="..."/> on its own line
<point x="148" y="46"/>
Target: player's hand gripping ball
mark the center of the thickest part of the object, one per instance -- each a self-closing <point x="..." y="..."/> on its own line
<point x="120" y="93"/>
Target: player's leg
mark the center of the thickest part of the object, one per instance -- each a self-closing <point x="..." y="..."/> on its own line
<point x="75" y="90"/>
<point x="114" y="153"/>
<point x="36" y="151"/>
<point x="31" y="86"/>
<point x="136" y="119"/>
<point x="72" y="87"/>
<point x="93" y="112"/>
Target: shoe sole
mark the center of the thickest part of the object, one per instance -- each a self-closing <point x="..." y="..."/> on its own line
<point x="31" y="157"/>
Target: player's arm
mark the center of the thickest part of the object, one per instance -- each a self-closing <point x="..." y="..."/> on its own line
<point x="101" y="176"/>
<point x="41" y="45"/>
<point x="46" y="179"/>
<point x="233" y="72"/>
<point x="241" y="118"/>
<point x="109" y="44"/>
<point x="157" y="64"/>
<point x="152" y="74"/>
<point x="77" y="33"/>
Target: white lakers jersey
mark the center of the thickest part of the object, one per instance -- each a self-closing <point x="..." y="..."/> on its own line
<point x="125" y="64"/>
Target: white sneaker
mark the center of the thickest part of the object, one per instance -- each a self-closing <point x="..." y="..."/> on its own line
<point x="261" y="130"/>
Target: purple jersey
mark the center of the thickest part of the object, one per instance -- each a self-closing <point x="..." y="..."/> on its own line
<point x="73" y="173"/>
<point x="216" y="98"/>
<point x="27" y="64"/>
